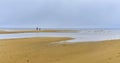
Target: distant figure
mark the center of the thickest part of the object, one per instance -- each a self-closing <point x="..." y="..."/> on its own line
<point x="37" y="28"/>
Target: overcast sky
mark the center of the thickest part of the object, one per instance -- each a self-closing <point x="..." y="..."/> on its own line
<point x="60" y="13"/>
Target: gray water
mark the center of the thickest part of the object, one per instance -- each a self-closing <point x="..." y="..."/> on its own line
<point x="81" y="36"/>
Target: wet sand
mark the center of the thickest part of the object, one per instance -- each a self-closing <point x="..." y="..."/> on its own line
<point x="30" y="31"/>
<point x="44" y="50"/>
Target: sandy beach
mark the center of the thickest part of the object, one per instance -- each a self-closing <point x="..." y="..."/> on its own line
<point x="44" y="50"/>
<point x="30" y="31"/>
<point x="59" y="31"/>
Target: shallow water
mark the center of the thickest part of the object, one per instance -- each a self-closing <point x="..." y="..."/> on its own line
<point x="81" y="36"/>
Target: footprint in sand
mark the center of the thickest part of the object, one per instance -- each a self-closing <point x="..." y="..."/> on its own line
<point x="28" y="60"/>
<point x="118" y="55"/>
<point x="110" y="58"/>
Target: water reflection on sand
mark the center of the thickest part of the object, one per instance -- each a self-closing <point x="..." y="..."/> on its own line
<point x="81" y="36"/>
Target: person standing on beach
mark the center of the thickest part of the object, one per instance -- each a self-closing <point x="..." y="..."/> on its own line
<point x="37" y="28"/>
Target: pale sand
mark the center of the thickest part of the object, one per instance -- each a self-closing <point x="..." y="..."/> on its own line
<point x="40" y="50"/>
<point x="30" y="31"/>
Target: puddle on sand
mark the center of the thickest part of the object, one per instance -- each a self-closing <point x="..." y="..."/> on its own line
<point x="82" y="36"/>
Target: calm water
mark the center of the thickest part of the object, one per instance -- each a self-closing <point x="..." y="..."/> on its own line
<point x="84" y="35"/>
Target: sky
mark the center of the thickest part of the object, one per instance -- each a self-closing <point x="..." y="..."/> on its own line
<point x="60" y="13"/>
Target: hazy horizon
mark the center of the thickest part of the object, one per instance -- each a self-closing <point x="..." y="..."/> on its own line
<point x="60" y="13"/>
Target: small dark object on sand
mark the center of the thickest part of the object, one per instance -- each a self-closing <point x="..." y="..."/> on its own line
<point x="28" y="61"/>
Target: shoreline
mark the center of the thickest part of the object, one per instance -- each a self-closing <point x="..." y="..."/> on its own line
<point x="32" y="31"/>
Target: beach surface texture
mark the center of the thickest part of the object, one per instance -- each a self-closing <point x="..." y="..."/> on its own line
<point x="46" y="50"/>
